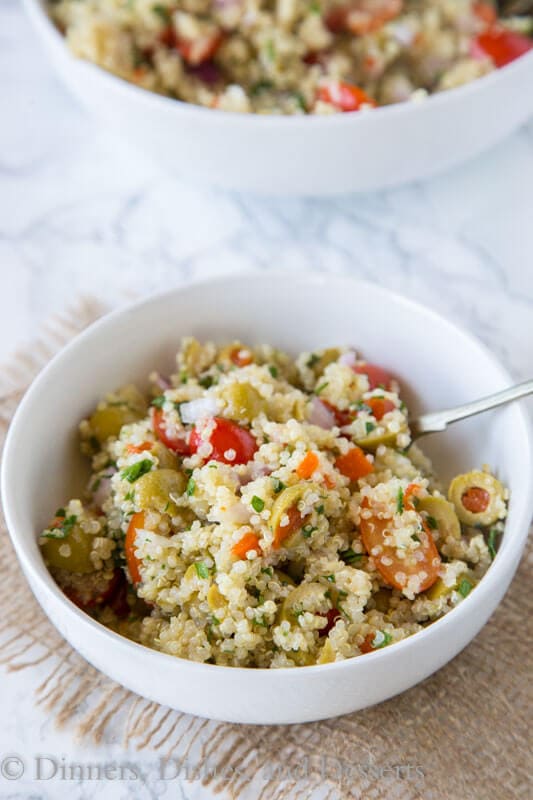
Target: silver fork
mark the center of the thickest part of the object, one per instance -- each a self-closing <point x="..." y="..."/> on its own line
<point x="439" y="420"/>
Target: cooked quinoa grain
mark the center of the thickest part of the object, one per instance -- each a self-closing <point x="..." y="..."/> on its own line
<point x="293" y="56"/>
<point x="263" y="511"/>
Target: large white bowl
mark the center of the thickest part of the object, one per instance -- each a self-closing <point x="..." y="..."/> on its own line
<point x="439" y="365"/>
<point x="301" y="155"/>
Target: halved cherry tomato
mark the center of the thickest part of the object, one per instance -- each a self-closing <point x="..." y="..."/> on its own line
<point x="101" y="596"/>
<point x="396" y="571"/>
<point x="380" y="406"/>
<point x="283" y="532"/>
<point x="354" y="464"/>
<point x="137" y="522"/>
<point x="377" y="376"/>
<point x="177" y="442"/>
<point x="362" y="16"/>
<point x="344" y="96"/>
<point x="331" y="618"/>
<point x="475" y="499"/>
<point x="502" y="45"/>
<point x="227" y="438"/>
<point x="248" y="542"/>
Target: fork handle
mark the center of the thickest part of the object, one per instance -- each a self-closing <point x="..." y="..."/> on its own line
<point x="439" y="420"/>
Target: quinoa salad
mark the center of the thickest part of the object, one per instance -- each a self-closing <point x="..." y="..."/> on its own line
<point x="256" y="510"/>
<point x="296" y="56"/>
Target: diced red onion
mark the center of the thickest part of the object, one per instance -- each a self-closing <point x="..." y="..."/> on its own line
<point x="162" y="383"/>
<point x="349" y="359"/>
<point x="321" y="415"/>
<point x="208" y="72"/>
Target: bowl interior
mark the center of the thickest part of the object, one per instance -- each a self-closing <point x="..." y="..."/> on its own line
<point x="437" y="363"/>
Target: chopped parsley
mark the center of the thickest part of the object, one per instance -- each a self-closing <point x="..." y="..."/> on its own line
<point x="267" y="571"/>
<point x="63" y="528"/>
<point x="257" y="503"/>
<point x="270" y="50"/>
<point x="381" y="639"/>
<point x="491" y="543"/>
<point x="278" y="485"/>
<point x="312" y="360"/>
<point x="308" y="530"/>
<point x="134" y="472"/>
<point x="330" y="578"/>
<point x="415" y="537"/>
<point x="315" y="7"/>
<point x="260" y="86"/>
<point x="159" y="401"/>
<point x="129" y="496"/>
<point x="349" y="556"/>
<point x="191" y="486"/>
<point x="183" y="376"/>
<point x="162" y="12"/>
<point x="399" y="501"/>
<point x="321" y="388"/>
<point x="206" y="382"/>
<point x="202" y="570"/>
<point x="273" y="371"/>
<point x="369" y="427"/>
<point x="465" y="587"/>
<point x="320" y="509"/>
<point x="300" y="100"/>
<point x="432" y="523"/>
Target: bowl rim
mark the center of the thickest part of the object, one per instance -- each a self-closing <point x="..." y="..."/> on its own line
<point x="38" y="574"/>
<point x="37" y="12"/>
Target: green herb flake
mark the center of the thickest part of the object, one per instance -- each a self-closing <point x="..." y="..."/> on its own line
<point x="183" y="376"/>
<point x="491" y="543"/>
<point x="432" y="523"/>
<point x="257" y="504"/>
<point x="315" y="7"/>
<point x="260" y="86"/>
<point x="320" y="509"/>
<point x="191" y="486"/>
<point x="206" y="382"/>
<point x="267" y="571"/>
<point x="61" y="512"/>
<point x="278" y="485"/>
<point x="202" y="569"/>
<point x="330" y="578"/>
<point x="369" y="427"/>
<point x="312" y="361"/>
<point x="349" y="556"/>
<point x="415" y="537"/>
<point x="273" y="371"/>
<point x="308" y="531"/>
<point x="135" y="471"/>
<point x="465" y="587"/>
<point x="61" y="531"/>
<point x="399" y="501"/>
<point x="162" y="12"/>
<point x="381" y="639"/>
<point x="321" y="388"/>
<point x="159" y="401"/>
<point x="300" y="101"/>
<point x="130" y="496"/>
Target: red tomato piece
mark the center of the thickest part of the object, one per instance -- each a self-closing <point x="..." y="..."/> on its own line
<point x="380" y="406"/>
<point x="175" y="441"/>
<point x="330" y="618"/>
<point x="342" y="418"/>
<point x="227" y="438"/>
<point x="377" y="376"/>
<point x="100" y="595"/>
<point x="485" y="13"/>
<point x="344" y="96"/>
<point x="502" y="45"/>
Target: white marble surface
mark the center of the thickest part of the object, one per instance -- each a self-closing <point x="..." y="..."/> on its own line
<point x="80" y="211"/>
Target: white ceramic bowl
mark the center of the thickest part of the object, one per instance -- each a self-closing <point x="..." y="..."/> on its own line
<point x="301" y="155"/>
<point x="439" y="365"/>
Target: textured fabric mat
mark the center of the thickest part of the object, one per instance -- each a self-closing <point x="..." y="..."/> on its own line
<point x="464" y="733"/>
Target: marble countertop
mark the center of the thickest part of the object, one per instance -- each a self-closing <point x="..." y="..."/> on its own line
<point x="83" y="212"/>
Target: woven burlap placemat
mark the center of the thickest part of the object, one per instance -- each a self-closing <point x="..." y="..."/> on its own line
<point x="464" y="733"/>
